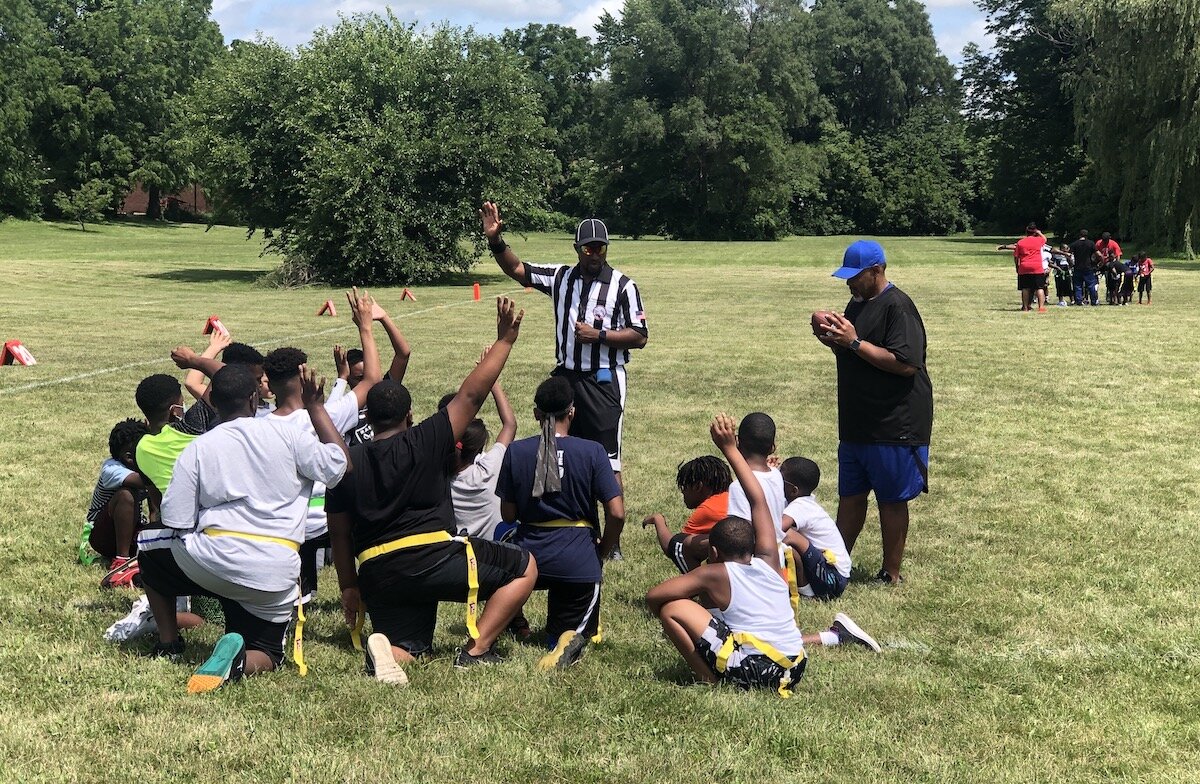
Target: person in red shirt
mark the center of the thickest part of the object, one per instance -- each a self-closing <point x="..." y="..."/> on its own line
<point x="704" y="483"/>
<point x="1031" y="273"/>
<point x="1146" y="269"/>
<point x="1108" y="247"/>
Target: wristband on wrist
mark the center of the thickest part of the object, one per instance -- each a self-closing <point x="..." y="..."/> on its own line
<point x="497" y="247"/>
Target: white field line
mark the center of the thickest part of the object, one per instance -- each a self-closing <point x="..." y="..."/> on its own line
<point x="272" y="341"/>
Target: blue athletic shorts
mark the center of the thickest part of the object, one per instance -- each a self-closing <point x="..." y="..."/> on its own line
<point x="895" y="472"/>
<point x="822" y="576"/>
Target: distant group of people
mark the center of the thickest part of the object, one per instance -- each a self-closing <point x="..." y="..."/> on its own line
<point x="240" y="496"/>
<point x="1077" y="269"/>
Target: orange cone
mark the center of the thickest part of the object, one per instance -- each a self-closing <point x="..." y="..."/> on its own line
<point x="327" y="309"/>
<point x="476" y="293"/>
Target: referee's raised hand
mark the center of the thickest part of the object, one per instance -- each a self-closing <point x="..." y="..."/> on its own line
<point x="489" y="216"/>
<point x="508" y="320"/>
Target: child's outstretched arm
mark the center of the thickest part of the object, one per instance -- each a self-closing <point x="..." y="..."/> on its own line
<point x="400" y="348"/>
<point x="724" y="435"/>
<point x="362" y="310"/>
<point x="194" y="380"/>
<point x="508" y="417"/>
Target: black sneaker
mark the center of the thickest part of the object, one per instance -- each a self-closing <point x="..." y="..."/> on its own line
<point x="886" y="579"/>
<point x="464" y="660"/>
<point x="568" y="651"/>
<point x="381" y="663"/>
<point x="171" y="651"/>
<point x="850" y="632"/>
<point x="519" y="627"/>
<point x="616" y="554"/>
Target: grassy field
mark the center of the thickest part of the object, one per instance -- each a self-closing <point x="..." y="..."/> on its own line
<point x="1047" y="629"/>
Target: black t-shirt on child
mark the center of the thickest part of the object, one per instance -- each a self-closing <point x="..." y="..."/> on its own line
<point x="874" y="406"/>
<point x="397" y="487"/>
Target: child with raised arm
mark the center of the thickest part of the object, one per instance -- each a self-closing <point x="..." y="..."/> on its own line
<point x="754" y="641"/>
<point x="473" y="487"/>
<point x="812" y="534"/>
<point x="704" y="483"/>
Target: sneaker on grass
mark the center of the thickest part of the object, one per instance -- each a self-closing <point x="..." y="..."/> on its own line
<point x="171" y="651"/>
<point x="463" y="660"/>
<point x="139" y="621"/>
<point x="568" y="651"/>
<point x="125" y="573"/>
<point x="381" y="663"/>
<point x="886" y="579"/>
<point x="850" y="632"/>
<point x="226" y="665"/>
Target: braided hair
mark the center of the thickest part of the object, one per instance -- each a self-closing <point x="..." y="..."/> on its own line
<point x="707" y="471"/>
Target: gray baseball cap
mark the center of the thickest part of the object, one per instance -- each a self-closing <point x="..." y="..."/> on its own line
<point x="591" y="230"/>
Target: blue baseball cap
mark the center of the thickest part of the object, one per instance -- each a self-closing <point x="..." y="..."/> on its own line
<point x="861" y="255"/>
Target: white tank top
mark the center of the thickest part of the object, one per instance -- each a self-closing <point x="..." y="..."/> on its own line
<point x="759" y="605"/>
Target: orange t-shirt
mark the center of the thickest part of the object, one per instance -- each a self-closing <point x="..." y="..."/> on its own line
<point x="714" y="509"/>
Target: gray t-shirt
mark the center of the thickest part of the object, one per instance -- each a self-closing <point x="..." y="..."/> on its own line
<point x="473" y="492"/>
<point x="251" y="475"/>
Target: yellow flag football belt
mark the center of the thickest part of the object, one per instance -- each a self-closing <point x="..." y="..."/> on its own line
<point x="560" y="523"/>
<point x="742" y="639"/>
<point x="420" y="540"/>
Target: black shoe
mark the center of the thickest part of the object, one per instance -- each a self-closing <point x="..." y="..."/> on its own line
<point x="616" y="554"/>
<point x="519" y="628"/>
<point x="464" y="660"/>
<point x="886" y="579"/>
<point x="850" y="632"/>
<point x="568" y="651"/>
<point x="171" y="651"/>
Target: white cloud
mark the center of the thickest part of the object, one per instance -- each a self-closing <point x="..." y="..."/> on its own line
<point x="951" y="41"/>
<point x="584" y="20"/>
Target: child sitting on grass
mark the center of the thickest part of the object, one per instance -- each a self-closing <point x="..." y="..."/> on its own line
<point x="754" y="641"/>
<point x="811" y="533"/>
<point x="704" y="483"/>
<point x="115" y="512"/>
<point x="473" y="486"/>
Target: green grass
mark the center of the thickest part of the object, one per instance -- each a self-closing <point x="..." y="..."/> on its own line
<point x="1047" y="631"/>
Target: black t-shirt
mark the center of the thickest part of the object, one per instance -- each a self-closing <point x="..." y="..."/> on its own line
<point x="874" y="406"/>
<point x="362" y="432"/>
<point x="1082" y="249"/>
<point x="400" y="486"/>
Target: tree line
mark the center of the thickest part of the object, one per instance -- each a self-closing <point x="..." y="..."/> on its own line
<point x="363" y="154"/>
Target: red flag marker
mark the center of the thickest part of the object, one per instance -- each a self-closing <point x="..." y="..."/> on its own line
<point x="327" y="309"/>
<point x="407" y="295"/>
<point x="14" y="353"/>
<point x="214" y="325"/>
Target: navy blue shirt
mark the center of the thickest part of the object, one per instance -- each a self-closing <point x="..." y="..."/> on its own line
<point x="565" y="554"/>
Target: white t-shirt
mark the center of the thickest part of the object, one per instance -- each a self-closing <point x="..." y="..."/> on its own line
<point x="815" y="524"/>
<point x="343" y="410"/>
<point x="759" y="605"/>
<point x="253" y="475"/>
<point x="772" y="485"/>
<point x="473" y="492"/>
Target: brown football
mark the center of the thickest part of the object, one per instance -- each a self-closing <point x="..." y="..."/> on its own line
<point x="821" y="321"/>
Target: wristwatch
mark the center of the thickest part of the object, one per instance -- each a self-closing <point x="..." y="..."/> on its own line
<point x="854" y="344"/>
<point x="603" y="334"/>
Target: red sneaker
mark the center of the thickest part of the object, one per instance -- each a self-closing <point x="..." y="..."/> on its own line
<point x="125" y="573"/>
<point x="1042" y="309"/>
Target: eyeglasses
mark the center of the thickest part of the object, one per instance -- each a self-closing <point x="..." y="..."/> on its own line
<point x="594" y="250"/>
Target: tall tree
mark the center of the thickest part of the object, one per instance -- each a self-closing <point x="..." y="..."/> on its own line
<point x="1137" y="98"/>
<point x="706" y="116"/>
<point x="564" y="66"/>
<point x="369" y="150"/>
<point x="27" y="74"/>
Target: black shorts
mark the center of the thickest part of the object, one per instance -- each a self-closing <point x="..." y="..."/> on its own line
<point x="677" y="552"/>
<point x="308" y="564"/>
<point x="1145" y="283"/>
<point x="403" y="605"/>
<point x="161" y="573"/>
<point x="599" y="409"/>
<point x="1062" y="287"/>
<point x="1031" y="282"/>
<point x="570" y="607"/>
<point x="751" y="672"/>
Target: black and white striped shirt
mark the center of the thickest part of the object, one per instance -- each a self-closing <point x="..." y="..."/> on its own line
<point x="611" y="302"/>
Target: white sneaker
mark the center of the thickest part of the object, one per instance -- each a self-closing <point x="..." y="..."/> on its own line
<point x="139" y="621"/>
<point x="381" y="663"/>
<point x="849" y="631"/>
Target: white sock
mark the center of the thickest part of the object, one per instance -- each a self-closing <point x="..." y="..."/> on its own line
<point x="806" y="591"/>
<point x="829" y="638"/>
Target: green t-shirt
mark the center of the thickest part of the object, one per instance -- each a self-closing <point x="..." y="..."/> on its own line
<point x="156" y="455"/>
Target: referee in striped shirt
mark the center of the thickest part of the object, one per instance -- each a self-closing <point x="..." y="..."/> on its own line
<point x="598" y="319"/>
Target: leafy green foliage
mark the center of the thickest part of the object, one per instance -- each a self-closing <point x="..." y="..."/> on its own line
<point x="369" y="150"/>
<point x="85" y="204"/>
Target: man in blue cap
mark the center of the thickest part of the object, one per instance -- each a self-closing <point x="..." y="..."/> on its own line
<point x="885" y="402"/>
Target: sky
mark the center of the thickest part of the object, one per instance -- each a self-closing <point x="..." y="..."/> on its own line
<point x="291" y="22"/>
